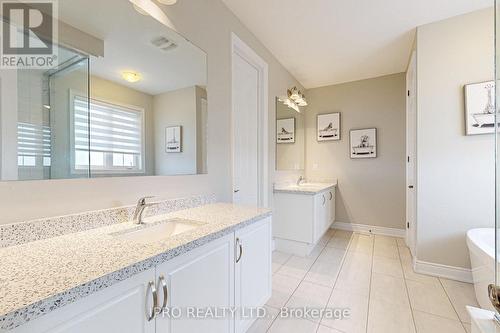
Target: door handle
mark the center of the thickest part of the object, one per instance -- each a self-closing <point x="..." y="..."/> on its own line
<point x="331" y="196"/>
<point x="240" y="247"/>
<point x="151" y="313"/>
<point x="163" y="284"/>
<point x="410" y="186"/>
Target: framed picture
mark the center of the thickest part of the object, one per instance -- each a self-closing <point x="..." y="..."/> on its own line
<point x="285" y="130"/>
<point x="363" y="143"/>
<point x="480" y="108"/>
<point x="173" y="139"/>
<point x="328" y="127"/>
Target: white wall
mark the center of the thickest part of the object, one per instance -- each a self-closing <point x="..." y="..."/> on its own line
<point x="291" y="156"/>
<point x="455" y="180"/>
<point x="370" y="191"/>
<point x="208" y="24"/>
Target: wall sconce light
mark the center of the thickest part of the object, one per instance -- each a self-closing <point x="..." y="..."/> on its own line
<point x="294" y="99"/>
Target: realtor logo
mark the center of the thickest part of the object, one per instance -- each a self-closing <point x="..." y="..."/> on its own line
<point x="28" y="32"/>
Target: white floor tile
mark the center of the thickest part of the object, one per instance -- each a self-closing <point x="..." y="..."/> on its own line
<point x="358" y="306"/>
<point x="283" y="288"/>
<point x="389" y="288"/>
<point x="332" y="255"/>
<point x="405" y="254"/>
<point x="430" y="298"/>
<point x="343" y="234"/>
<point x="316" y="252"/>
<point x="276" y="267"/>
<point x="386" y="240"/>
<point x="362" y="244"/>
<point x="326" y="329"/>
<point x="411" y="275"/>
<point x="339" y="242"/>
<point x="280" y="257"/>
<point x="385" y="250"/>
<point x="427" y="323"/>
<point x="296" y="267"/>
<point x="309" y="295"/>
<point x="287" y="325"/>
<point x="460" y="294"/>
<point x="387" y="266"/>
<point x="261" y="325"/>
<point x="324" y="273"/>
<point x="467" y="327"/>
<point x="388" y="317"/>
<point x="401" y="242"/>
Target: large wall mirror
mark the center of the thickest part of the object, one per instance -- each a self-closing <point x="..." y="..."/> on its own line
<point x="127" y="96"/>
<point x="290" y="138"/>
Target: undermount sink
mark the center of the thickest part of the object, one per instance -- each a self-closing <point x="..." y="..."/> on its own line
<point x="153" y="232"/>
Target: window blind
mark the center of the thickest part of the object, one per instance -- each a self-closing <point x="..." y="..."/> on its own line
<point x="33" y="140"/>
<point x="113" y="128"/>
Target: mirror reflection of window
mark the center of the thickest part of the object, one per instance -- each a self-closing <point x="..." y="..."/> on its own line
<point x="102" y="110"/>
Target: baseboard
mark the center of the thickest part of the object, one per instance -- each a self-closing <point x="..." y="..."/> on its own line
<point x="370" y="229"/>
<point x="443" y="271"/>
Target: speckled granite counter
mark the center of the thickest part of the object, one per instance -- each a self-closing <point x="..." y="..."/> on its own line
<point x="305" y="188"/>
<point x="41" y="276"/>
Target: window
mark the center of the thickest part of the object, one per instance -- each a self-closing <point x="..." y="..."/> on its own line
<point x="116" y="137"/>
<point x="33" y="145"/>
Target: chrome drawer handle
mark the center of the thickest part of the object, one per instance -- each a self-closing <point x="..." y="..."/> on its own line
<point x="324" y="199"/>
<point x="163" y="283"/>
<point x="151" y="313"/>
<point x="331" y="196"/>
<point x="238" y="244"/>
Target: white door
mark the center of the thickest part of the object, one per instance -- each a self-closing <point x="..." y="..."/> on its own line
<point x="411" y="149"/>
<point x="253" y="270"/>
<point x="249" y="98"/>
<point x="201" y="279"/>
<point x="122" y="307"/>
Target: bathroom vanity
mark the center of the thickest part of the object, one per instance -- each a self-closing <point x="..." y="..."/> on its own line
<point x="121" y="277"/>
<point x="302" y="215"/>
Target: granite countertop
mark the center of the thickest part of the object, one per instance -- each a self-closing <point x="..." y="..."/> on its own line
<point x="304" y="188"/>
<point x="38" y="277"/>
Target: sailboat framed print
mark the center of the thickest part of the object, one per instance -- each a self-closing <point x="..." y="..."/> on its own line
<point x="328" y="127"/>
<point x="480" y="108"/>
<point x="285" y="130"/>
<point x="173" y="139"/>
<point x="363" y="143"/>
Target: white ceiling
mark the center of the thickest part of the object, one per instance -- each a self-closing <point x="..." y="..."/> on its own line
<point x="127" y="39"/>
<point x="323" y="42"/>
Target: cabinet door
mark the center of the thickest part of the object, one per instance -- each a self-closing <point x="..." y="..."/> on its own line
<point x="320" y="202"/>
<point x="332" y="207"/>
<point x="121" y="307"/>
<point x="202" y="279"/>
<point x="253" y="281"/>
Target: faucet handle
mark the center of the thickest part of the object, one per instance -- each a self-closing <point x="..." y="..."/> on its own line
<point x="142" y="201"/>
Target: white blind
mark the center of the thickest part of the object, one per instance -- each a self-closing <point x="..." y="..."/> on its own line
<point x="113" y="128"/>
<point x="33" y="140"/>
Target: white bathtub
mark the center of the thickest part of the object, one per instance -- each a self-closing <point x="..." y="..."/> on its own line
<point x="481" y="244"/>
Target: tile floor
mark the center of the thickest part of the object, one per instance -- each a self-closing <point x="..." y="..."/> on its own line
<point x="373" y="277"/>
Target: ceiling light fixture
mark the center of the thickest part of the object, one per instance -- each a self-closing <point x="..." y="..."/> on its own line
<point x="294" y="99"/>
<point x="131" y="77"/>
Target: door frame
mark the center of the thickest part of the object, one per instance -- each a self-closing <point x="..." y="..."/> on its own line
<point x="411" y="153"/>
<point x="241" y="49"/>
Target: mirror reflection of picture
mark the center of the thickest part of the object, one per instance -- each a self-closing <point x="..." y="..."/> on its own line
<point x="480" y="108"/>
<point x="328" y="127"/>
<point x="173" y="142"/>
<point x="363" y="143"/>
<point x="285" y="130"/>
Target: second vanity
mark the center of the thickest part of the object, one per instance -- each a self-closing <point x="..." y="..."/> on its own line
<point x="302" y="214"/>
<point x="125" y="278"/>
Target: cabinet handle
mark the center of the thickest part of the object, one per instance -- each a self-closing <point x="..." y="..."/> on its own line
<point x="151" y="313"/>
<point x="163" y="283"/>
<point x="238" y="244"/>
<point x="324" y="199"/>
<point x="331" y="196"/>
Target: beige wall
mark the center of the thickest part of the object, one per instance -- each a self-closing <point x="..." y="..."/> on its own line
<point x="370" y="191"/>
<point x="208" y="24"/>
<point x="455" y="180"/>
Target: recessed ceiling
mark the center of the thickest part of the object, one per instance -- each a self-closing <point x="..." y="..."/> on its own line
<point x="323" y="42"/>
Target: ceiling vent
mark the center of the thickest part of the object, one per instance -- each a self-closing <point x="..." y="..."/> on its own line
<point x="163" y="43"/>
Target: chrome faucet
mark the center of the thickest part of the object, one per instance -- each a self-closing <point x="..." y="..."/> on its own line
<point x="140" y="208"/>
<point x="300" y="180"/>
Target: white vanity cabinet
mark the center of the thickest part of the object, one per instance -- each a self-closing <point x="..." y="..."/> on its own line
<point x="121" y="307"/>
<point x="253" y="283"/>
<point x="202" y="278"/>
<point x="302" y="218"/>
<point x="234" y="270"/>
